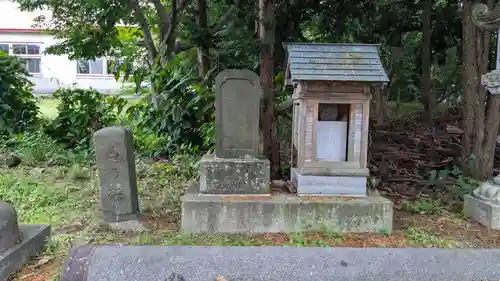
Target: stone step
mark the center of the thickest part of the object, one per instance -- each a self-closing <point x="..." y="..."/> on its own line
<point x="175" y="263"/>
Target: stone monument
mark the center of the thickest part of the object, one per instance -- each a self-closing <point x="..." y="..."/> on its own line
<point x="236" y="167"/>
<point x="484" y="204"/>
<point x="18" y="242"/>
<point x="114" y="150"/>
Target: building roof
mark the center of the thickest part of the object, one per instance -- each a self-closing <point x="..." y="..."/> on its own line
<point x="334" y="62"/>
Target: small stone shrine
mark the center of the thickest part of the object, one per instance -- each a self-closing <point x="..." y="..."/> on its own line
<point x="18" y="242"/>
<point x="233" y="193"/>
<point x="484" y="204"/>
<point x="331" y="115"/>
<point x="114" y="150"/>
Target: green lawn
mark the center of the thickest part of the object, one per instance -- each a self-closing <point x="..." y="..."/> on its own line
<point x="48" y="107"/>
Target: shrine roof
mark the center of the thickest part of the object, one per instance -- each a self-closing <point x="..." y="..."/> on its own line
<point x="334" y="62"/>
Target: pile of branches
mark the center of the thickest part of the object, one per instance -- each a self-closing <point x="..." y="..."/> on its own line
<point x="406" y="155"/>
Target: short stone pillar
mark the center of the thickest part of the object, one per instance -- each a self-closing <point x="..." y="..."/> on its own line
<point x="236" y="167"/>
<point x="484" y="204"/>
<point x="114" y="150"/>
<point x="18" y="242"/>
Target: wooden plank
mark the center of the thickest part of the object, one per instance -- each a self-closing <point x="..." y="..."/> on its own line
<point x="358" y="133"/>
<point x="332" y="86"/>
<point x="350" y="138"/>
<point x="309" y="126"/>
<point x="365" y="140"/>
<point x="314" y="147"/>
<point x="301" y="140"/>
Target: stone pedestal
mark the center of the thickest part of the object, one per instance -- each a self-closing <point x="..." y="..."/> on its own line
<point x="330" y="182"/>
<point x="256" y="214"/>
<point x="485" y="213"/>
<point x="18" y="242"/>
<point x="484" y="204"/>
<point x="247" y="175"/>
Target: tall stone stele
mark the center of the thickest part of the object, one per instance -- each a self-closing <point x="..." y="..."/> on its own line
<point x="484" y="204"/>
<point x="237" y="166"/>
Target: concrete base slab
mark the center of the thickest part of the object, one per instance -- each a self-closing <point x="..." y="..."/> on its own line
<point x="234" y="175"/>
<point x="33" y="241"/>
<point x="483" y="212"/>
<point x="330" y="185"/>
<point x="155" y="263"/>
<point x="254" y="214"/>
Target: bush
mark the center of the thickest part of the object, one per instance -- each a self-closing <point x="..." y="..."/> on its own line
<point x="180" y="110"/>
<point x="81" y="113"/>
<point x="18" y="109"/>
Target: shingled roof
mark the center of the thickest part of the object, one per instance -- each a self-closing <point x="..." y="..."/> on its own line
<point x="334" y="62"/>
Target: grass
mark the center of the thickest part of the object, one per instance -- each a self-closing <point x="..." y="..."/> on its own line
<point x="48" y="107"/>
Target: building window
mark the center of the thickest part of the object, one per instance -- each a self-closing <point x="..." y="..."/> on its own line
<point x="4" y="48"/>
<point x="30" y="53"/>
<point x="90" y="66"/>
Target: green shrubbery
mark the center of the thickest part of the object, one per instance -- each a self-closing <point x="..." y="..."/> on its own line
<point x="179" y="122"/>
<point x="81" y="113"/>
<point x="18" y="109"/>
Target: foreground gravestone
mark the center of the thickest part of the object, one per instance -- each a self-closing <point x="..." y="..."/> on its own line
<point x="114" y="150"/>
<point x="166" y="263"/>
<point x="18" y="242"/>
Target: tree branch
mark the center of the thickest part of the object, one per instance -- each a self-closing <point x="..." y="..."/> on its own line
<point x="164" y="17"/>
<point x="148" y="38"/>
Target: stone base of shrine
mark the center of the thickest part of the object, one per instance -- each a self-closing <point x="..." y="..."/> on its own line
<point x="257" y="214"/>
<point x="485" y="213"/>
<point x="338" y="182"/>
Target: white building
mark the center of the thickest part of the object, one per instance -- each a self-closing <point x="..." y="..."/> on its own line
<point x="49" y="72"/>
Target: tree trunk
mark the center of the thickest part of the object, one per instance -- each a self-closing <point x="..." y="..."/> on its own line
<point x="481" y="114"/>
<point x="267" y="121"/>
<point x="202" y="49"/>
<point x="429" y="96"/>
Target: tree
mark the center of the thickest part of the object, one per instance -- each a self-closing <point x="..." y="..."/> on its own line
<point x="429" y="96"/>
<point x="481" y="112"/>
<point x="268" y="120"/>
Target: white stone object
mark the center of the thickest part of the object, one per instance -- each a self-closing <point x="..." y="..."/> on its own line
<point x="350" y="186"/>
<point x="484" y="205"/>
<point x="491" y="81"/>
<point x="489" y="191"/>
<point x="331" y="139"/>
